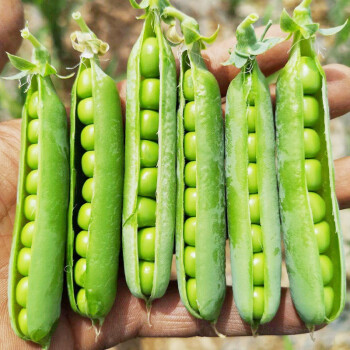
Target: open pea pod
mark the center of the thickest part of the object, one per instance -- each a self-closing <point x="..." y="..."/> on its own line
<point x="252" y="198"/>
<point x="200" y="211"/>
<point x="96" y="182"/>
<point x="37" y="254"/>
<point x="308" y="203"/>
<point x="150" y="141"/>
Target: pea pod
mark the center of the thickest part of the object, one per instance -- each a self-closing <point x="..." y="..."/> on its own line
<point x="308" y="203"/>
<point x="96" y="161"/>
<point x="37" y="254"/>
<point x="150" y="141"/>
<point x="252" y="199"/>
<point x="200" y="212"/>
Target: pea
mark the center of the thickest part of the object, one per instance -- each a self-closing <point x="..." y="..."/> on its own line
<point x="22" y="322"/>
<point x="190" y="201"/>
<point x="257" y="238"/>
<point x="309" y="75"/>
<point x="191" y="174"/>
<point x="318" y="207"/>
<point x="80" y="272"/>
<point x="312" y="143"/>
<point x="146" y="243"/>
<point x="148" y="182"/>
<point x="190" y="261"/>
<point x="146" y="212"/>
<point x="84" y="216"/>
<point x="82" y="243"/>
<point x="326" y="268"/>
<point x="84" y="84"/>
<point x="311" y="110"/>
<point x="81" y="301"/>
<point x="88" y="189"/>
<point x="313" y="170"/>
<point x="88" y="163"/>
<point x="252" y="178"/>
<point x="149" y="125"/>
<point x="254" y="208"/>
<point x="188" y="85"/>
<point x="190" y="116"/>
<point x="27" y="234"/>
<point x="323" y="235"/>
<point x="149" y="153"/>
<point x="191" y="290"/>
<point x="33" y="131"/>
<point x="328" y="299"/>
<point x="252" y="147"/>
<point x="85" y="110"/>
<point x="149" y="94"/>
<point x="23" y="261"/>
<point x="32" y="182"/>
<point x="22" y="292"/>
<point x="33" y="156"/>
<point x="190" y="231"/>
<point x="190" y="146"/>
<point x="258" y="302"/>
<point x="149" y="58"/>
<point x="33" y="105"/>
<point x="258" y="269"/>
<point x="251" y="115"/>
<point x="87" y="137"/>
<point x="251" y="97"/>
<point x="146" y="276"/>
<point x="30" y="205"/>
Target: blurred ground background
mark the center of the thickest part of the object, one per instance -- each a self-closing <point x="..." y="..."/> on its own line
<point x="114" y="22"/>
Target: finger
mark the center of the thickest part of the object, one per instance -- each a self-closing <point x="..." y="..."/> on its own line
<point x="342" y="181"/>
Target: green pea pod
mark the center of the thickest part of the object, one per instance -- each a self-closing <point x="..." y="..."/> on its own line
<point x="200" y="259"/>
<point x="37" y="254"/>
<point x="308" y="203"/>
<point x="147" y="275"/>
<point x="93" y="253"/>
<point x="252" y="199"/>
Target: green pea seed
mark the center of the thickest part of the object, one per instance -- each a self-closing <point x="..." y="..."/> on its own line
<point x="148" y="182"/>
<point x="23" y="261"/>
<point x="22" y="322"/>
<point x="149" y="58"/>
<point x="326" y="268"/>
<point x="84" y="84"/>
<point x="33" y="105"/>
<point x="88" y="189"/>
<point x="80" y="272"/>
<point x="149" y="94"/>
<point x="311" y="111"/>
<point x="32" y="182"/>
<point x="22" y="292"/>
<point x="188" y="85"/>
<point x="309" y="75"/>
<point x="190" y="231"/>
<point x="258" y="302"/>
<point x="318" y="207"/>
<point x="190" y="201"/>
<point x="328" y="299"/>
<point x="312" y="143"/>
<point x="190" y="146"/>
<point x="252" y="178"/>
<point x="251" y="115"/>
<point x="258" y="269"/>
<point x="146" y="243"/>
<point x="251" y="96"/>
<point x="85" y="110"/>
<point x="191" y="290"/>
<point x="33" y="131"/>
<point x="148" y="154"/>
<point x="146" y="212"/>
<point x="190" y="261"/>
<point x="313" y="170"/>
<point x="254" y="208"/>
<point x="252" y="147"/>
<point x="82" y="243"/>
<point x="27" y="234"/>
<point x="190" y="116"/>
<point x="87" y="137"/>
<point x="33" y="156"/>
<point x="88" y="163"/>
<point x="84" y="216"/>
<point x="149" y="125"/>
<point x="146" y="276"/>
<point x="257" y="239"/>
<point x="191" y="174"/>
<point x="30" y="205"/>
<point x="81" y="301"/>
<point x="323" y="235"/>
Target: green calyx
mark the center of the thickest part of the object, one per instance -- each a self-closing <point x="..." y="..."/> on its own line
<point x="302" y="22"/>
<point x="150" y="6"/>
<point x="248" y="46"/>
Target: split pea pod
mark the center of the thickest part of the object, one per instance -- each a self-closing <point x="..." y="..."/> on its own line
<point x="37" y="254"/>
<point x="308" y="203"/>
<point x="150" y="178"/>
<point x="96" y="182"/>
<point x="200" y="211"/>
<point x="252" y="198"/>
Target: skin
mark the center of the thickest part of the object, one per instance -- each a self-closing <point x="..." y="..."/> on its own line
<point x="169" y="318"/>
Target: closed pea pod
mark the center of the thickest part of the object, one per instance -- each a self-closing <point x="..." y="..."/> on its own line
<point x="97" y="164"/>
<point x="308" y="204"/>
